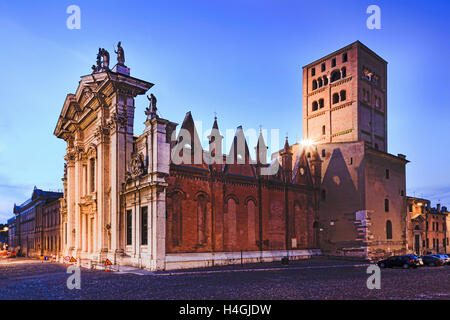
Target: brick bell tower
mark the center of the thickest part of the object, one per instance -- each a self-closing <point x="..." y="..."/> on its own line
<point x="345" y="98"/>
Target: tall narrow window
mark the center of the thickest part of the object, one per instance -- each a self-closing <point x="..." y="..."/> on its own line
<point x="314" y="84"/>
<point x="344" y="57"/>
<point x="320" y="82"/>
<point x="387" y="173"/>
<point x="343" y="95"/>
<point x="323" y="67"/>
<point x="388" y="229"/>
<point x="386" y="205"/>
<point x="335" y="98"/>
<point x="323" y="130"/>
<point x="129" y="227"/>
<point x="321" y="103"/>
<point x="144" y="226"/>
<point x="92" y="162"/>
<point x="313" y="72"/>
<point x="325" y="80"/>
<point x="314" y="106"/>
<point x="333" y="62"/>
<point x="344" y="72"/>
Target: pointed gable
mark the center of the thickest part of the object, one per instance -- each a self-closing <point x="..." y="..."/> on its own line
<point x="189" y="145"/>
<point x="301" y="172"/>
<point x="238" y="160"/>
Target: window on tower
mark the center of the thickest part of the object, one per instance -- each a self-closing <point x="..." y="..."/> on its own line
<point x="325" y="80"/>
<point x="335" y="75"/>
<point x="343" y="95"/>
<point x="323" y="67"/>
<point x="335" y="98"/>
<point x="388" y="229"/>
<point x="321" y="103"/>
<point x="314" y="106"/>
<point x="323" y="130"/>
<point x="344" y="57"/>
<point x="344" y="72"/>
<point x="313" y="72"/>
<point x="333" y="62"/>
<point x="314" y="84"/>
<point x="320" y="82"/>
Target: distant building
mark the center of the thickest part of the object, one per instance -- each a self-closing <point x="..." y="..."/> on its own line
<point x="35" y="229"/>
<point x="427" y="227"/>
<point x="437" y="230"/>
<point x="363" y="196"/>
<point x="417" y="210"/>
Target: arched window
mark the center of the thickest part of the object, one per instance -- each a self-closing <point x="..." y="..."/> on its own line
<point x="343" y="95"/>
<point x="201" y="219"/>
<point x="320" y="82"/>
<point x="252" y="227"/>
<point x="325" y="80"/>
<point x="175" y="217"/>
<point x="344" y="72"/>
<point x="335" y="75"/>
<point x="388" y="229"/>
<point x="323" y="130"/>
<point x="314" y="106"/>
<point x="321" y="104"/>
<point x="230" y="225"/>
<point x="335" y="98"/>
<point x="314" y="84"/>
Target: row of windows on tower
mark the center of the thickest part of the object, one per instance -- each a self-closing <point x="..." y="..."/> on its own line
<point x="333" y="64"/>
<point x="335" y="76"/>
<point x="341" y="96"/>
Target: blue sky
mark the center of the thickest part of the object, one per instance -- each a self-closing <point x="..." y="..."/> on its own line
<point x="239" y="58"/>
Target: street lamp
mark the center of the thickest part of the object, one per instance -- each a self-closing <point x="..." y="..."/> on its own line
<point x="5" y="229"/>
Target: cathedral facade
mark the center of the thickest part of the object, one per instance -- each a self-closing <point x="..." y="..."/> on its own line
<point x="160" y="201"/>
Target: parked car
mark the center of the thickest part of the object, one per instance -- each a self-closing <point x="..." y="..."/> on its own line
<point x="444" y="257"/>
<point x="406" y="261"/>
<point x="432" y="260"/>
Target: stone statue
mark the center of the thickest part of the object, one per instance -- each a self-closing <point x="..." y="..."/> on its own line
<point x="151" y="110"/>
<point x="102" y="61"/>
<point x="105" y="55"/>
<point x="99" y="59"/>
<point x="120" y="54"/>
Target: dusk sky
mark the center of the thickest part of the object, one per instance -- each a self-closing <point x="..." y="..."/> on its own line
<point x="239" y="58"/>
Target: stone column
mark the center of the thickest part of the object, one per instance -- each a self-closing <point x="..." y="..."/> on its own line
<point x="77" y="207"/>
<point x="70" y="206"/>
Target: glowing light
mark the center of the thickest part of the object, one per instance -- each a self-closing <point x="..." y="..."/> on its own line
<point x="307" y="142"/>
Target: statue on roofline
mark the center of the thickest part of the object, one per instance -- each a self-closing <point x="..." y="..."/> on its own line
<point x="120" y="54"/>
<point x="151" y="110"/>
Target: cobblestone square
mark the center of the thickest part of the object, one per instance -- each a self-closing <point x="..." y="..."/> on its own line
<point x="309" y="279"/>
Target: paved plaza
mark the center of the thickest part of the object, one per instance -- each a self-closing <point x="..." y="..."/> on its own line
<point x="310" y="279"/>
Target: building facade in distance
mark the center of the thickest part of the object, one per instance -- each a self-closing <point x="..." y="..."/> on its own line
<point x="428" y="227"/>
<point x="35" y="229"/>
<point x="363" y="196"/>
